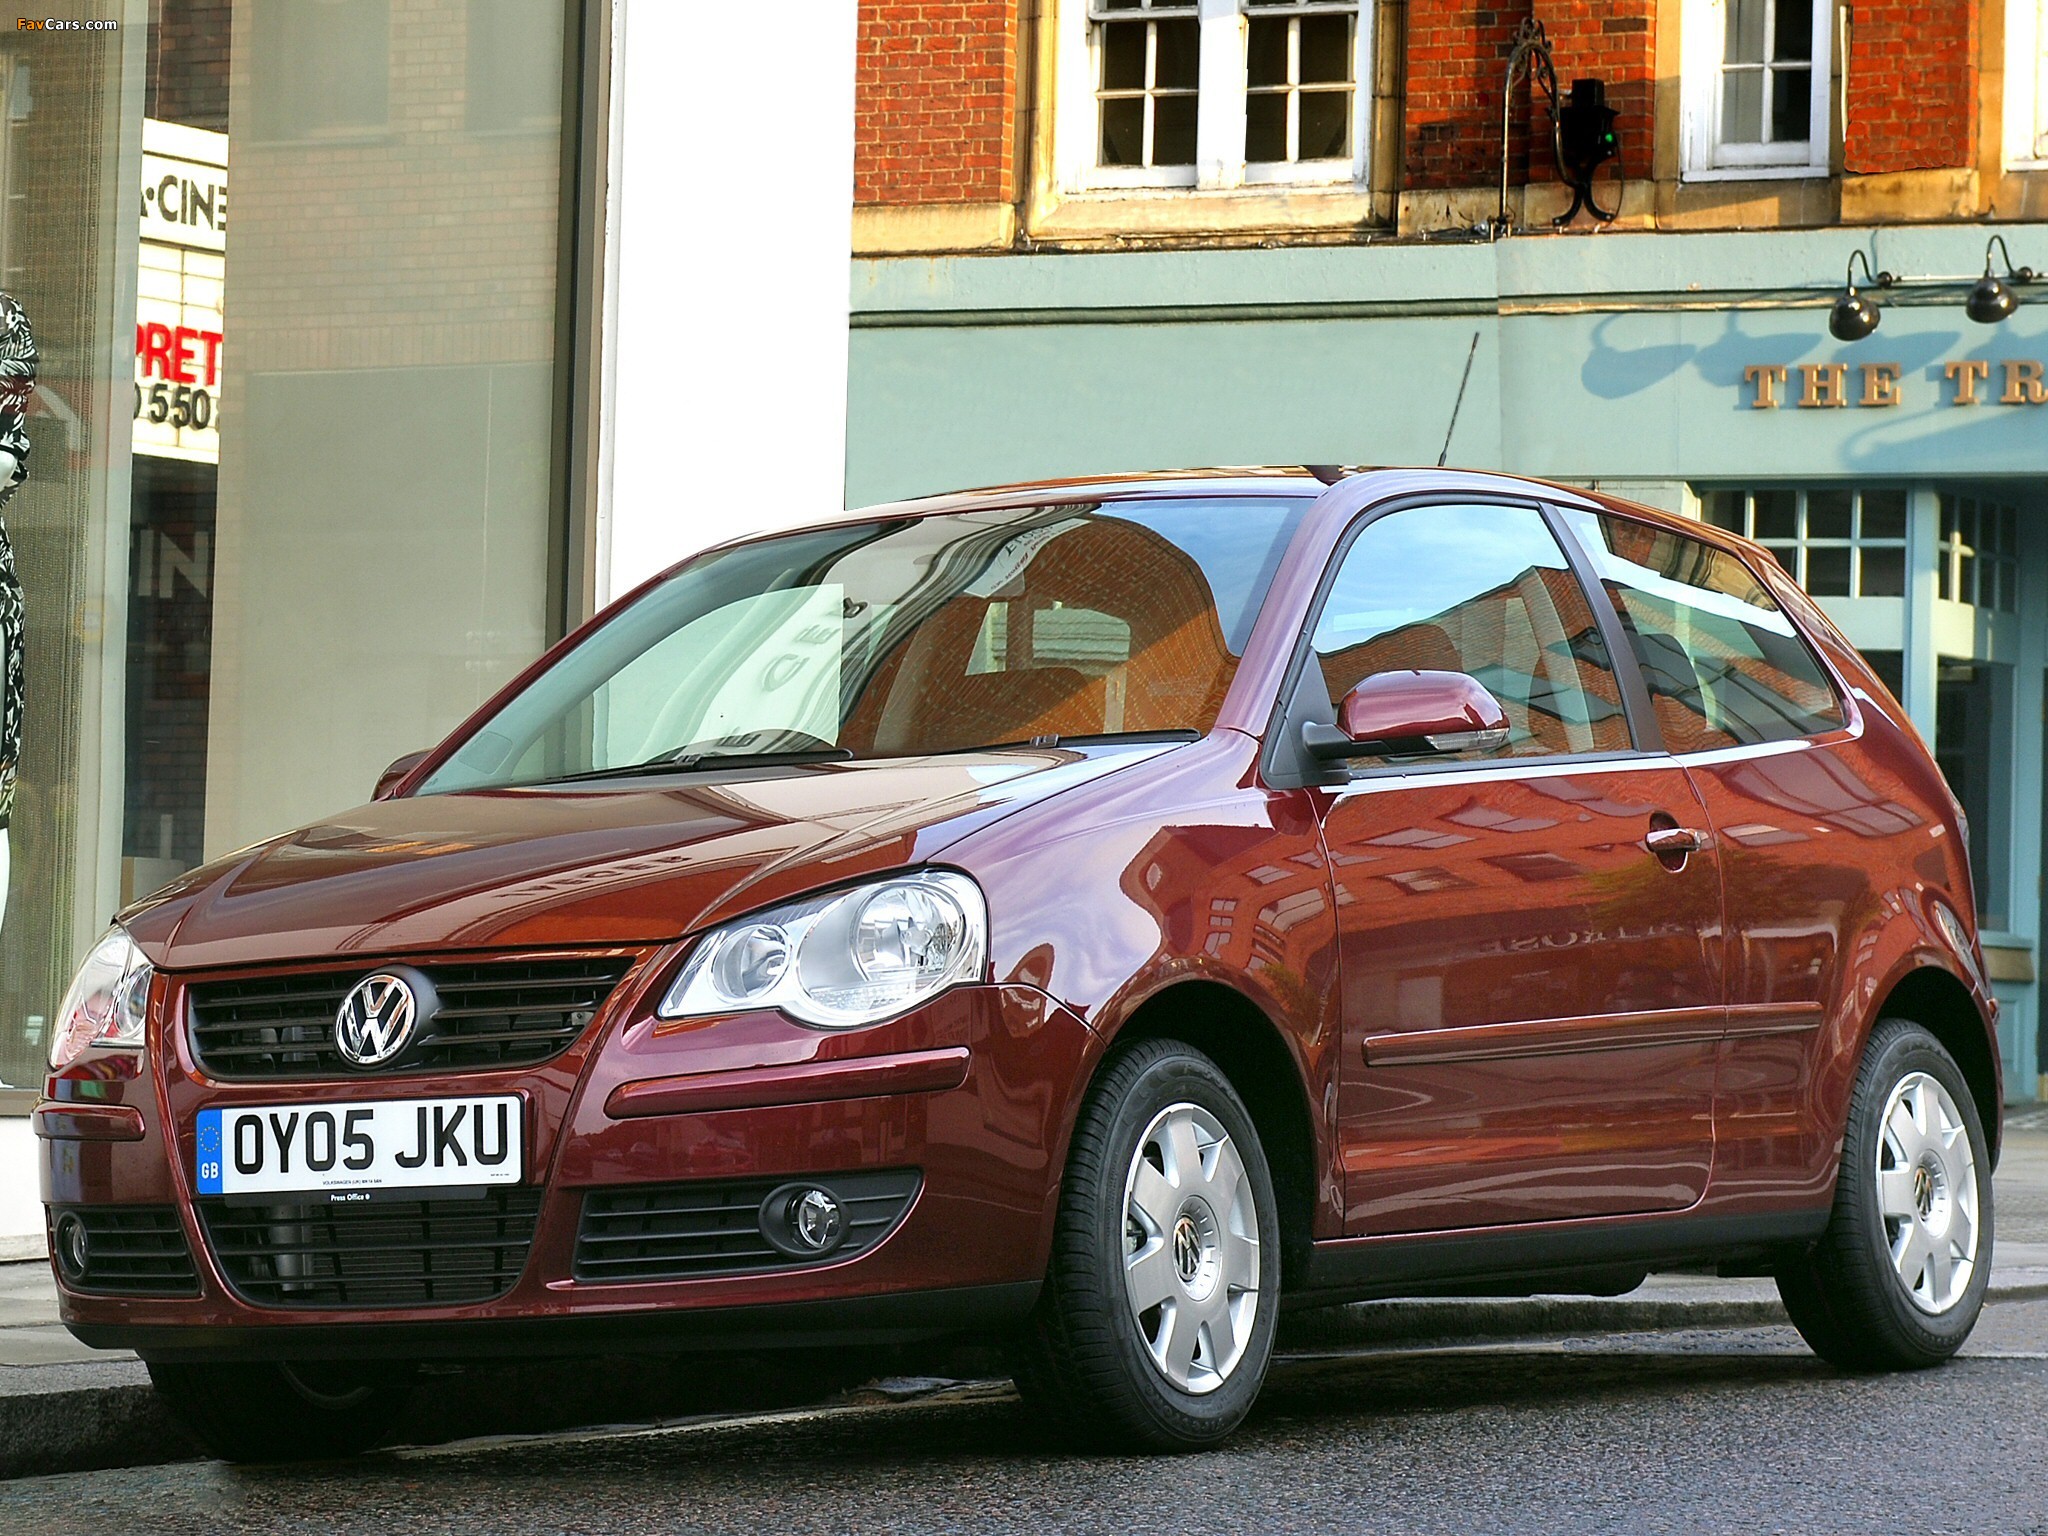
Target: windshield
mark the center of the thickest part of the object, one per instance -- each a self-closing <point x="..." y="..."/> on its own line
<point x="905" y="637"/>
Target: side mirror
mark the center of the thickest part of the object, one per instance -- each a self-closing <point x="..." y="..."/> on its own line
<point x="389" y="780"/>
<point x="1396" y="714"/>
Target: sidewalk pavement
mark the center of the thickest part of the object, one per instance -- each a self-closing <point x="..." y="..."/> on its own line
<point x="65" y="1408"/>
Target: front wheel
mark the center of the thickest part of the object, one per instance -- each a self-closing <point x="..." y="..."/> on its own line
<point x="1156" y="1323"/>
<point x="276" y="1412"/>
<point x="1897" y="1280"/>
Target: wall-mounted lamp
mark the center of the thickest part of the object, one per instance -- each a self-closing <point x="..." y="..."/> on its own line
<point x="1582" y="136"/>
<point x="1855" y="317"/>
<point x="1991" y="300"/>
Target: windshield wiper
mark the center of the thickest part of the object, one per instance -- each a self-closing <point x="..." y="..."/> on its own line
<point x="689" y="762"/>
<point x="1079" y="739"/>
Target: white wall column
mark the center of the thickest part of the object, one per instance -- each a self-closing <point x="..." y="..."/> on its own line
<point x="1919" y="662"/>
<point x="729" y="228"/>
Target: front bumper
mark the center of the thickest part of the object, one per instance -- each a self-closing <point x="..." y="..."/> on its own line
<point x="972" y="1091"/>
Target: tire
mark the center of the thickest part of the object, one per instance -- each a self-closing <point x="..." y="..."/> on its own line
<point x="270" y="1412"/>
<point x="1886" y="1288"/>
<point x="1166" y="1179"/>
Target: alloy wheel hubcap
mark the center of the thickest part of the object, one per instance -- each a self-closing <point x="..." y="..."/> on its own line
<point x="1191" y="1248"/>
<point x="1927" y="1193"/>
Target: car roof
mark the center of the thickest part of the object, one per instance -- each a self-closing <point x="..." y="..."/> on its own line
<point x="1355" y="487"/>
<point x="1364" y="484"/>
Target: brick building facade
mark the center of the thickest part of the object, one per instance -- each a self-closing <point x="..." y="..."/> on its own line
<point x="959" y="146"/>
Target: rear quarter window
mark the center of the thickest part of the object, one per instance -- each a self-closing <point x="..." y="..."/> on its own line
<point x="1724" y="663"/>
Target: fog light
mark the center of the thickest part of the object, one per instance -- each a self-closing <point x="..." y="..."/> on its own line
<point x="805" y="1220"/>
<point x="73" y="1247"/>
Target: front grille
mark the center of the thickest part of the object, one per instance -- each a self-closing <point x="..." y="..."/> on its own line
<point x="131" y="1250"/>
<point x="681" y="1231"/>
<point x="383" y="1253"/>
<point x="491" y="1014"/>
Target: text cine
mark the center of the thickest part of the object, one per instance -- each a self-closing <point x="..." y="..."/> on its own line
<point x="1822" y="386"/>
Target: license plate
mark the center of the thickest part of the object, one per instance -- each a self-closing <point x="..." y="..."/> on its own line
<point x="391" y="1144"/>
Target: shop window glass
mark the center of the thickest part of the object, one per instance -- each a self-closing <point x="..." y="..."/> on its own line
<point x="515" y="65"/>
<point x="1723" y="663"/>
<point x="374" y="554"/>
<point x="1973" y="742"/>
<point x="1890" y="667"/>
<point x="1483" y="590"/>
<point x="326" y="66"/>
<point x="1979" y="553"/>
<point x="60" y="150"/>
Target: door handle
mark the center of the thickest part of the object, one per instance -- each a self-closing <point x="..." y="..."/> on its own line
<point x="1674" y="842"/>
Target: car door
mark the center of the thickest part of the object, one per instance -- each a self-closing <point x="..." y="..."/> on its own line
<point x="1532" y="997"/>
<point x="1744" y="704"/>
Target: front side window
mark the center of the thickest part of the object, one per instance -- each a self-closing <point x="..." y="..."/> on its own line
<point x="1482" y="590"/>
<point x="1214" y="93"/>
<point x="1723" y="663"/>
<point x="907" y="637"/>
<point x="1756" y="87"/>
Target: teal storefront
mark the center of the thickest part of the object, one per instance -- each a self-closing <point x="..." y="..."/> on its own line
<point x="1903" y="478"/>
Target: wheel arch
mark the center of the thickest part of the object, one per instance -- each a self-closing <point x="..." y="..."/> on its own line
<point x="1253" y="1053"/>
<point x="1938" y="1002"/>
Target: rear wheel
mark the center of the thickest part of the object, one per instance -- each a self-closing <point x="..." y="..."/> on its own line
<point x="1898" y="1279"/>
<point x="1156" y="1323"/>
<point x="281" y="1412"/>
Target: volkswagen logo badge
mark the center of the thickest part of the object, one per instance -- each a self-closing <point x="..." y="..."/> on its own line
<point x="1187" y="1249"/>
<point x="376" y="1020"/>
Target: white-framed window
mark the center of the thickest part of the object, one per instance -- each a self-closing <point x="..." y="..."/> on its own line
<point x="1834" y="541"/>
<point x="2026" y="84"/>
<point x="1213" y="94"/>
<point x="1755" y="87"/>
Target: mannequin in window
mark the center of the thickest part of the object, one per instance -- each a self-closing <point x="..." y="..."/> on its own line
<point x="17" y="383"/>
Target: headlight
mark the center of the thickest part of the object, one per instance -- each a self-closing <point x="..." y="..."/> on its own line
<point x="107" y="1001"/>
<point x="839" y="961"/>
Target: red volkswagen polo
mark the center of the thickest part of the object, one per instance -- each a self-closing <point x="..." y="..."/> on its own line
<point x="1091" y="914"/>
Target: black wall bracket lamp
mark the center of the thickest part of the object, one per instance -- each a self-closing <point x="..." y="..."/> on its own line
<point x="1855" y="317"/>
<point x="1582" y="136"/>
<point x="1991" y="299"/>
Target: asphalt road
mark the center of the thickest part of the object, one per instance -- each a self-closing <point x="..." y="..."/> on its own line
<point x="1736" y="1431"/>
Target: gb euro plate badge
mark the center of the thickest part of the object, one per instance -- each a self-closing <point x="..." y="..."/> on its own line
<point x="387" y="1144"/>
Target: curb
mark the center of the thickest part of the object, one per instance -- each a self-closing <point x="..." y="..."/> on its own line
<point x="87" y="1429"/>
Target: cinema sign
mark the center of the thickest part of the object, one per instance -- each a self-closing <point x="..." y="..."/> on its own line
<point x="1829" y="386"/>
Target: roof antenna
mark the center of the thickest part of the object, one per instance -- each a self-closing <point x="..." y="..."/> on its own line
<point x="1459" y="404"/>
<point x="1329" y="474"/>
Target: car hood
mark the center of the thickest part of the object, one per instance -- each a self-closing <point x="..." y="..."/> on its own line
<point x="635" y="861"/>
